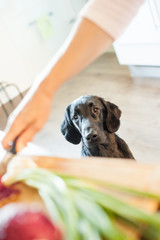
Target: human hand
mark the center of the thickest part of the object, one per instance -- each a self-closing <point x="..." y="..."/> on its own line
<point x="25" y="123"/>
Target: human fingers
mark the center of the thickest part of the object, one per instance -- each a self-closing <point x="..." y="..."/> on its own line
<point x="26" y="136"/>
<point x="13" y="131"/>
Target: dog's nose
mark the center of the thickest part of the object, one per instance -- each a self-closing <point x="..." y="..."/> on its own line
<point x="91" y="136"/>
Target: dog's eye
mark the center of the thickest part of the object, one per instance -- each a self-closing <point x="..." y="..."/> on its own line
<point x="75" y="116"/>
<point x="95" y="110"/>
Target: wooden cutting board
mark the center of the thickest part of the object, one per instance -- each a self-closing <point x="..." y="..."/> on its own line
<point x="128" y="173"/>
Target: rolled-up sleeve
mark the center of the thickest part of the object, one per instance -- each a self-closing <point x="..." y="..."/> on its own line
<point x="112" y="16"/>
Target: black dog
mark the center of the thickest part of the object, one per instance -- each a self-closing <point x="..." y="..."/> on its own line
<point x="95" y="121"/>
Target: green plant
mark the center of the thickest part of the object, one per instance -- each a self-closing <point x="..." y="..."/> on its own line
<point x="83" y="209"/>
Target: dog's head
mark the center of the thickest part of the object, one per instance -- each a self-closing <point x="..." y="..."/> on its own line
<point x="89" y="118"/>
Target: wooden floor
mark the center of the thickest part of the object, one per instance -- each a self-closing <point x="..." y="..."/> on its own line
<point x="139" y="100"/>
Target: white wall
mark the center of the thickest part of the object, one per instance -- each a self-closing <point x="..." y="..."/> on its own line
<point x="31" y="31"/>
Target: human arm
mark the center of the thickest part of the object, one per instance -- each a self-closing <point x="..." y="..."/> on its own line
<point x="86" y="42"/>
<point x="93" y="33"/>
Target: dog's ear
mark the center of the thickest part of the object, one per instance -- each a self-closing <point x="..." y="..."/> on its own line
<point x="69" y="131"/>
<point x="113" y="114"/>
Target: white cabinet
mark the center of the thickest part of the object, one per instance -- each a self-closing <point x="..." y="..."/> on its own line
<point x="31" y="31"/>
<point x="140" y="43"/>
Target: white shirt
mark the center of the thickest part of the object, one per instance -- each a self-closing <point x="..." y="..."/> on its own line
<point x="112" y="16"/>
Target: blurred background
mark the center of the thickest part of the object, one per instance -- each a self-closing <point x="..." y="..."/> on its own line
<point x="128" y="74"/>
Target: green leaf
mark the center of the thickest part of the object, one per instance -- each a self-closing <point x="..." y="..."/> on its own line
<point x="97" y="217"/>
<point x="88" y="231"/>
<point x="126" y="211"/>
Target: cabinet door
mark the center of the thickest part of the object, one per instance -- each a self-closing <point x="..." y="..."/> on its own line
<point x="140" y="43"/>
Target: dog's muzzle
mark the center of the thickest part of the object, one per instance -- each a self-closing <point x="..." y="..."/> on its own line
<point x="90" y="138"/>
